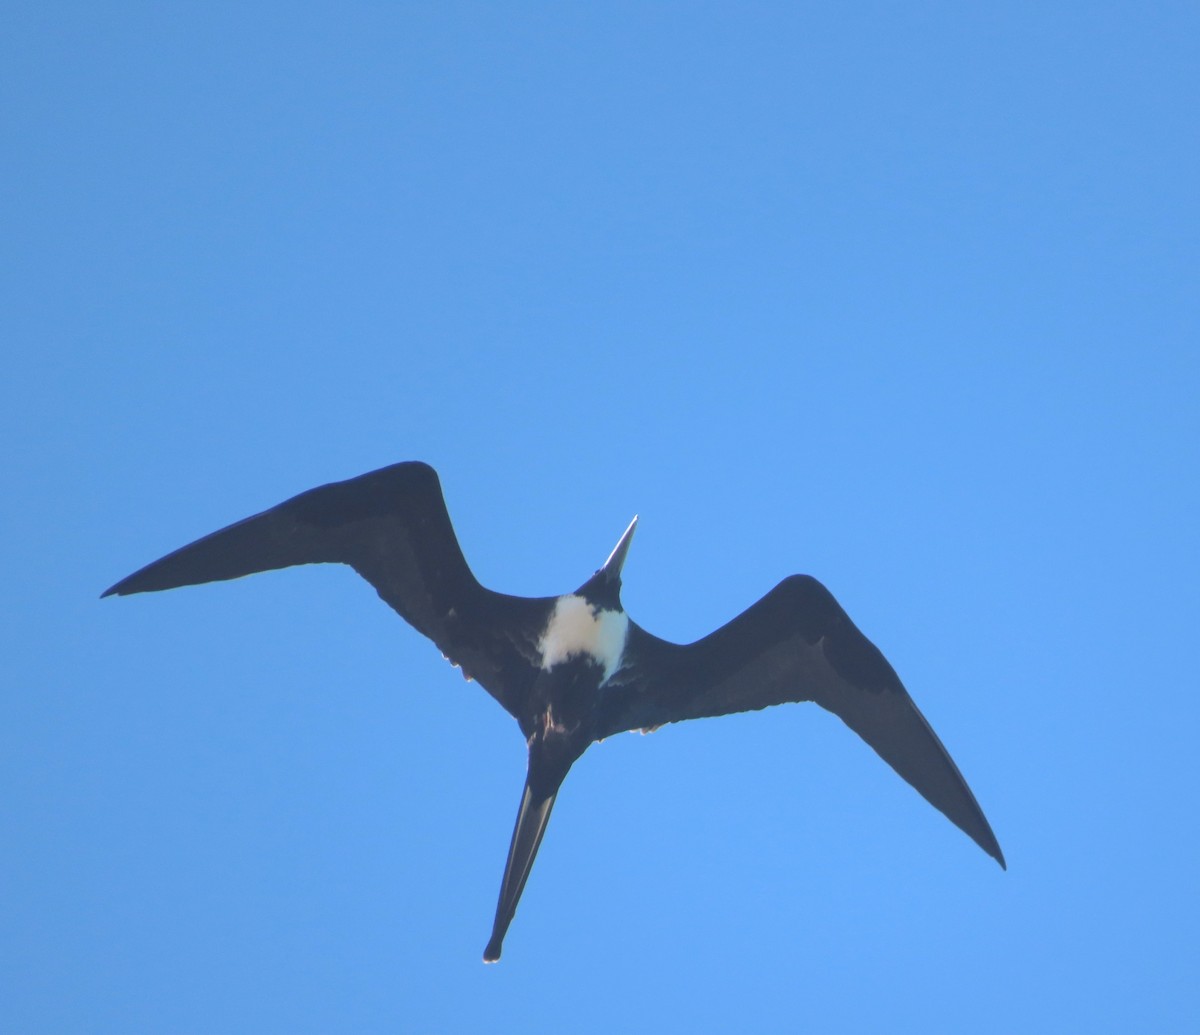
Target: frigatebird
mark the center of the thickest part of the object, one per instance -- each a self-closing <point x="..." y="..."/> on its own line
<point x="575" y="669"/>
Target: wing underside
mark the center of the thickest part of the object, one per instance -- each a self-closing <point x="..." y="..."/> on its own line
<point x="392" y="527"/>
<point x="796" y="644"/>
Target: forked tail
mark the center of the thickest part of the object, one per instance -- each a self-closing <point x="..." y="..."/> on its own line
<point x="532" y="818"/>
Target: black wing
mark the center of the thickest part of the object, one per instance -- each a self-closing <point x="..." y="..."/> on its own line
<point x="391" y="526"/>
<point x="795" y="644"/>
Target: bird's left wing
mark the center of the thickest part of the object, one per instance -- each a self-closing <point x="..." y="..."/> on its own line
<point x="392" y="527"/>
<point x="795" y="644"/>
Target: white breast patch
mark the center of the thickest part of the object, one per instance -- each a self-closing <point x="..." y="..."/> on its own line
<point x="577" y="628"/>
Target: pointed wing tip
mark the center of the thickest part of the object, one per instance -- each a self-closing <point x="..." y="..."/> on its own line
<point x="124" y="588"/>
<point x="978" y="830"/>
<point x="987" y="841"/>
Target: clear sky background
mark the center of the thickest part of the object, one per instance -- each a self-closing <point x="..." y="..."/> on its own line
<point x="903" y="296"/>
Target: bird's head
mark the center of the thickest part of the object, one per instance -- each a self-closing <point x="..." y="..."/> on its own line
<point x="604" y="588"/>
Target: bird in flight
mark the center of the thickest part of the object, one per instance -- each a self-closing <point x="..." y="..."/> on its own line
<point x="575" y="669"/>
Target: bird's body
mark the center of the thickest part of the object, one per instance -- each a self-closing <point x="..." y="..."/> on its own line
<point x="575" y="669"/>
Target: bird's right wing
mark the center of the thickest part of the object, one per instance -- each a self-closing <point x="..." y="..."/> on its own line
<point x="392" y="527"/>
<point x="795" y="644"/>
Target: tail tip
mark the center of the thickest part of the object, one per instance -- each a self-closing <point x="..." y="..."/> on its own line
<point x="492" y="953"/>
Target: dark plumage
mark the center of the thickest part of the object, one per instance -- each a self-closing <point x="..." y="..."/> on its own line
<point x="573" y="669"/>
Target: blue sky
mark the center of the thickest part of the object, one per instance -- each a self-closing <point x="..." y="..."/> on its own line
<point x="901" y="296"/>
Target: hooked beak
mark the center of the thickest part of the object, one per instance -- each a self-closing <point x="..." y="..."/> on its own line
<point x="616" y="559"/>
